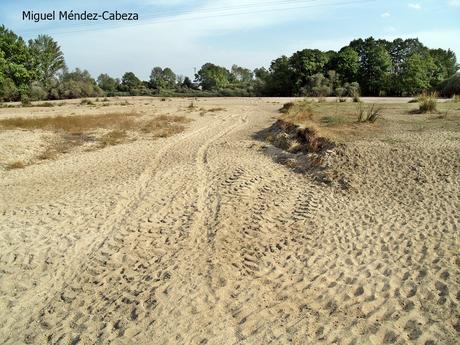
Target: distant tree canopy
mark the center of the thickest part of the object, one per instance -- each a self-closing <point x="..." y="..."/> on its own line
<point x="36" y="70"/>
<point x="107" y="83"/>
<point x="162" y="78"/>
<point x="213" y="77"/>
<point x="47" y="59"/>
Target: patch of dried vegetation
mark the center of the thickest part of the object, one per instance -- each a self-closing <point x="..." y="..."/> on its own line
<point x="65" y="133"/>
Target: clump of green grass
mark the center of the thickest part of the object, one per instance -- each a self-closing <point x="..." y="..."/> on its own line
<point x="428" y="103"/>
<point x="15" y="165"/>
<point x="368" y="114"/>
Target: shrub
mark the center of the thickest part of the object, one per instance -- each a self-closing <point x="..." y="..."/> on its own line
<point x="8" y="90"/>
<point x="86" y="102"/>
<point x="368" y="114"/>
<point x="352" y="89"/>
<point x="450" y="87"/>
<point x="25" y="101"/>
<point x="37" y="92"/>
<point x="427" y="103"/>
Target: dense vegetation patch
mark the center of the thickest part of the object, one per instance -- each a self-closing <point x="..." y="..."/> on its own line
<point x="36" y="70"/>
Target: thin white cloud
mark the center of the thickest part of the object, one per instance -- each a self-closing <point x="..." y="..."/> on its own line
<point x="385" y="15"/>
<point x="454" y="3"/>
<point x="417" y="6"/>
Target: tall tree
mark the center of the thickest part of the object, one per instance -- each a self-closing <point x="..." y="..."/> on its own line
<point x="414" y="76"/>
<point x="445" y="65"/>
<point x="162" y="78"/>
<point x="241" y="74"/>
<point x="375" y="66"/>
<point x="107" y="83"/>
<point x="130" y="82"/>
<point x="346" y="63"/>
<point x="306" y="63"/>
<point x="16" y="69"/>
<point x="281" y="81"/>
<point x="47" y="58"/>
<point x="212" y="77"/>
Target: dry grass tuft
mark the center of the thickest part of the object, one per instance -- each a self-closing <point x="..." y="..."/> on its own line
<point x="191" y="107"/>
<point x="112" y="138"/>
<point x="298" y="112"/>
<point x="86" y="102"/>
<point x="15" y="165"/>
<point x="164" y="126"/>
<point x="368" y="114"/>
<point x="428" y="103"/>
<point x="214" y="110"/>
<point x="455" y="99"/>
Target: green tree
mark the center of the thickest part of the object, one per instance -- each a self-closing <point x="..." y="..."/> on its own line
<point x="129" y="82"/>
<point x="16" y="65"/>
<point x="280" y="81"/>
<point x="346" y="64"/>
<point x="375" y="66"/>
<point x="107" y="83"/>
<point x="162" y="78"/>
<point x="187" y="83"/>
<point x="306" y="63"/>
<point x="241" y="75"/>
<point x="445" y="65"/>
<point x="414" y="76"/>
<point x="169" y="78"/>
<point x="47" y="58"/>
<point x="77" y="84"/>
<point x="212" y="77"/>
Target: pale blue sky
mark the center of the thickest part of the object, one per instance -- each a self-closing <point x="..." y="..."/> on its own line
<point x="185" y="34"/>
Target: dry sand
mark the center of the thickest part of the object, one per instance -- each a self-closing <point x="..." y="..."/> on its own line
<point x="202" y="238"/>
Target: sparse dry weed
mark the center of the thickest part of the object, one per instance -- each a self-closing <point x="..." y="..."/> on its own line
<point x="15" y="165"/>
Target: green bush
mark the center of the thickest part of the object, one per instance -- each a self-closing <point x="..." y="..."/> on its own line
<point x="8" y="90"/>
<point x="37" y="92"/>
<point x="450" y="87"/>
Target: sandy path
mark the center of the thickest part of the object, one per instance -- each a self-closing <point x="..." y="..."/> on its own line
<point x="203" y="239"/>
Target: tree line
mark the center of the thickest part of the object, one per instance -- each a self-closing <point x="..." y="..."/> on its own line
<point x="36" y="70"/>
